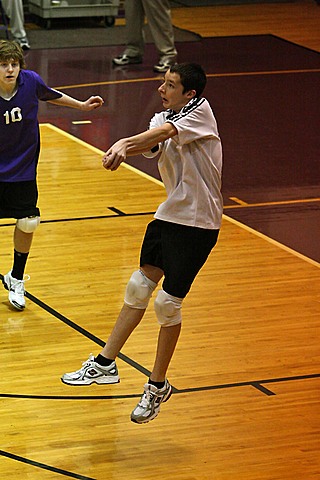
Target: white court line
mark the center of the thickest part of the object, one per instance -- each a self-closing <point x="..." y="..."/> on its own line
<point x="100" y="152"/>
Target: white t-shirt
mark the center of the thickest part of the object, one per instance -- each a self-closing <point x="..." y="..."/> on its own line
<point x="190" y="166"/>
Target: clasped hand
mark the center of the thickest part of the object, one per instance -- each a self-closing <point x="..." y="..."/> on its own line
<point x="115" y="155"/>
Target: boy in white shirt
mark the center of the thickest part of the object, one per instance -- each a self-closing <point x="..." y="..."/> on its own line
<point x="179" y="240"/>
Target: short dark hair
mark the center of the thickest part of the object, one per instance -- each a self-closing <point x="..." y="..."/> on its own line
<point x="11" y="50"/>
<point x="192" y="76"/>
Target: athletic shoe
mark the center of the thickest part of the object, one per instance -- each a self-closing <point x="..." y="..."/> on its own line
<point x="16" y="290"/>
<point x="149" y="405"/>
<point x="23" y="42"/>
<point x="126" y="60"/>
<point x="164" y="64"/>
<point x="92" y="372"/>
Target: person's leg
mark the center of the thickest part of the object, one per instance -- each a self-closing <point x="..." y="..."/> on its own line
<point x="14" y="10"/>
<point x="22" y="241"/>
<point x="181" y="266"/>
<point x="138" y="292"/>
<point x="133" y="52"/>
<point x="102" y="369"/>
<point x="157" y="390"/>
<point x="22" y="244"/>
<point x="19" y="201"/>
<point x="167" y="307"/>
<point x="129" y="318"/>
<point x="134" y="28"/>
<point x="158" y="15"/>
<point x="167" y="341"/>
<point x="14" y="280"/>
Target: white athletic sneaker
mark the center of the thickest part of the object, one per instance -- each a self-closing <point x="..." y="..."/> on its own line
<point x="126" y="60"/>
<point x="164" y="64"/>
<point x="16" y="290"/>
<point x="92" y="372"/>
<point x="149" y="405"/>
<point x="23" y="42"/>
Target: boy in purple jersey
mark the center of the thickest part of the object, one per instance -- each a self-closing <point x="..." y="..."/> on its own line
<point x="20" y="92"/>
<point x="179" y="240"/>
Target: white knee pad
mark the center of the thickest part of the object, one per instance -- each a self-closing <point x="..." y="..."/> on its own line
<point x="168" y="309"/>
<point x="139" y="290"/>
<point x="28" y="224"/>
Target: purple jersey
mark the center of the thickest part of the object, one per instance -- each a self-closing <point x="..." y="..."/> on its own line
<point x="19" y="130"/>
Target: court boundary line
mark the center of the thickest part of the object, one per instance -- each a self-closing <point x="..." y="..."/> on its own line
<point x="243" y="204"/>
<point x="272" y="241"/>
<point x="98" y="151"/>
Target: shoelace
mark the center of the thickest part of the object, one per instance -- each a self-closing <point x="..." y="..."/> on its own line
<point x="89" y="361"/>
<point x="146" y="398"/>
<point x="18" y="285"/>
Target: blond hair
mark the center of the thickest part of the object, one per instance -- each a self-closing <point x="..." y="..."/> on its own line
<point x="10" y="50"/>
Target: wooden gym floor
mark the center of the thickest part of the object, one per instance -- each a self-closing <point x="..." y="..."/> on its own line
<point x="246" y="369"/>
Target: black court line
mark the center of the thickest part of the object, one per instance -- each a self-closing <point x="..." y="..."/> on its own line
<point x="71" y="397"/>
<point x="257" y="384"/>
<point x="117" y="213"/>
<point x="84" y="332"/>
<point x="116" y="210"/>
<point x="262" y="389"/>
<point x="43" y="466"/>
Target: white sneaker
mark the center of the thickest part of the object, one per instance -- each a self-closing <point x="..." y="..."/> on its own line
<point x="16" y="290"/>
<point x="23" y="42"/>
<point x="126" y="60"/>
<point x="149" y="405"/>
<point x="164" y="64"/>
<point x="92" y="372"/>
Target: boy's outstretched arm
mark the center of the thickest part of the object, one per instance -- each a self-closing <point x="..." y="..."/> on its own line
<point x="90" y="104"/>
<point x="136" y="145"/>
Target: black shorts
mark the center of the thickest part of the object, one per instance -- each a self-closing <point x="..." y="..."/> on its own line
<point x="18" y="199"/>
<point x="180" y="251"/>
